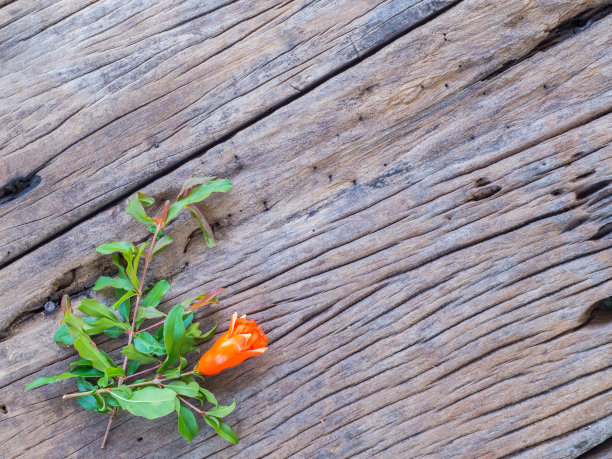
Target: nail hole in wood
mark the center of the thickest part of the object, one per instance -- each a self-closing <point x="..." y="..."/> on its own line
<point x="3" y="409"/>
<point x="485" y="192"/>
<point x="18" y="187"/>
<point x="605" y="304"/>
<point x="575" y="223"/>
<point x="584" y="175"/>
<point x="590" y="189"/>
<point x="602" y="232"/>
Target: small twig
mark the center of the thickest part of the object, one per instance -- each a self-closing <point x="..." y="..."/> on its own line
<point x="161" y="322"/>
<point x="155" y="381"/>
<point x="143" y="371"/>
<point x="139" y="296"/>
<point x="133" y="325"/>
<point x="194" y="408"/>
<point x="110" y="421"/>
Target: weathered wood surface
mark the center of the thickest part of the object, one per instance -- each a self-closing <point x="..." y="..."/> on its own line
<point x="425" y="236"/>
<point x="144" y="86"/>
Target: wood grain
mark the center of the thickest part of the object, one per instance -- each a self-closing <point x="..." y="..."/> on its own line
<point x="99" y="98"/>
<point x="426" y="260"/>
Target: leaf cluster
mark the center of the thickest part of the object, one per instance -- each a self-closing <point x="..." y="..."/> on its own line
<point x="153" y="380"/>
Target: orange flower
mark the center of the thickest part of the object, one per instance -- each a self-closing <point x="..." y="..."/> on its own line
<point x="244" y="339"/>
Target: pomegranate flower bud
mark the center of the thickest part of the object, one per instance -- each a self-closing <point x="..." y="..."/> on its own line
<point x="244" y="339"/>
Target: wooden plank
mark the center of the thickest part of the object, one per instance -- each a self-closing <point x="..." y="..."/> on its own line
<point x="100" y="97"/>
<point x="403" y="99"/>
<point x="415" y="309"/>
<point x="601" y="451"/>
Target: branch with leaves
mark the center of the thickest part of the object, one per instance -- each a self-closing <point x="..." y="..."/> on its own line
<point x="164" y="386"/>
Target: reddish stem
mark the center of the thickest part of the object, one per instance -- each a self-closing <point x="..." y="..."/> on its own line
<point x="143" y="371"/>
<point x="161" y="322"/>
<point x="141" y="288"/>
<point x="110" y="421"/>
<point x="194" y="408"/>
<point x="133" y="326"/>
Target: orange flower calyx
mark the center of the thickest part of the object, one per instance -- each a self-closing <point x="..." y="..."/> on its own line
<point x="244" y="339"/>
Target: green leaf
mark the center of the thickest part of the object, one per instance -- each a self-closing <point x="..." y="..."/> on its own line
<point x="132" y="366"/>
<point x="181" y="388"/>
<point x="86" y="350"/>
<point x="223" y="430"/>
<point x="209" y="396"/>
<point x="113" y="332"/>
<point x="222" y="411"/>
<point x="101" y="403"/>
<point x="134" y="354"/>
<point x="96" y="309"/>
<point x="78" y="363"/>
<point x="162" y="244"/>
<point x="153" y="297"/>
<point x="197" y="194"/>
<point x="75" y="324"/>
<point x="144" y="342"/>
<point x="120" y="267"/>
<point x="62" y="335"/>
<point x="174" y="336"/>
<point x="188" y="319"/>
<point x="79" y="371"/>
<point x="105" y="281"/>
<point x="86" y="401"/>
<point x="100" y="325"/>
<point x="104" y="382"/>
<point x="197" y="335"/>
<point x="124" y="297"/>
<point x="187" y="425"/>
<point x="86" y="371"/>
<point x="207" y="231"/>
<point x="149" y="402"/>
<point x="113" y="372"/>
<point x="193" y="181"/>
<point x="125" y="390"/>
<point x="213" y="422"/>
<point x="131" y="267"/>
<point x="48" y="379"/>
<point x="172" y="373"/>
<point x="148" y="313"/>
<point x="110" y="400"/>
<point x="136" y="206"/>
<point x="209" y="333"/>
<point x="112" y="247"/>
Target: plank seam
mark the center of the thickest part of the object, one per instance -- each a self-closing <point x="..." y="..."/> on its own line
<point x="282" y="103"/>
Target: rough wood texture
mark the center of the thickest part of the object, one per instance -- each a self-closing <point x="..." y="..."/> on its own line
<point x="144" y="86"/>
<point x="425" y="236"/>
